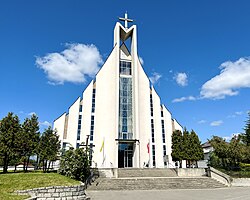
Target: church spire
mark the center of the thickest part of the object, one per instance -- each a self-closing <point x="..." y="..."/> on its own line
<point x="126" y="20"/>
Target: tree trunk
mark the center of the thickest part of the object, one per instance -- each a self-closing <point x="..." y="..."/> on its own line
<point x="27" y="163"/>
<point x="46" y="163"/>
<point x="5" y="163"/>
<point x="24" y="163"/>
<point x="37" y="160"/>
<point x="15" y="168"/>
<point x="43" y="165"/>
<point x="48" y="166"/>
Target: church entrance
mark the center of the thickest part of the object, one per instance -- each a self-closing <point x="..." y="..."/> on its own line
<point x="125" y="155"/>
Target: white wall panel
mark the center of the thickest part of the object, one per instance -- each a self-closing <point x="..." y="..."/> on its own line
<point x="106" y="112"/>
<point x="59" y="124"/>
<point x="86" y="112"/>
<point x="143" y="104"/>
<point x="157" y="129"/>
<point x="73" y="123"/>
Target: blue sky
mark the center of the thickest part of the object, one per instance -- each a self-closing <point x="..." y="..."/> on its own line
<point x="196" y="53"/>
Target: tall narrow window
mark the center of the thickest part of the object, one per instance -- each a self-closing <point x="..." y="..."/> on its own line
<point x="152" y="131"/>
<point x="153" y="140"/>
<point x="161" y="113"/>
<point x="153" y="154"/>
<point x="92" y="128"/>
<point x="125" y="109"/>
<point x="80" y="108"/>
<point x="125" y="68"/>
<point x="79" y="127"/>
<point x="151" y="105"/>
<point x="90" y="152"/>
<point x="163" y="131"/>
<point x="164" y="154"/>
<point x="93" y="100"/>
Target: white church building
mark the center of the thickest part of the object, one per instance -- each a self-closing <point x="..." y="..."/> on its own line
<point x="119" y="114"/>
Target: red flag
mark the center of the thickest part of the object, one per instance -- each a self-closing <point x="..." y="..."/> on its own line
<point x="148" y="147"/>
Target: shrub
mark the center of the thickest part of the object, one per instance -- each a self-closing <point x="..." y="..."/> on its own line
<point x="75" y="164"/>
<point x="245" y="167"/>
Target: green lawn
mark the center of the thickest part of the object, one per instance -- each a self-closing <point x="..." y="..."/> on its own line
<point x="21" y="181"/>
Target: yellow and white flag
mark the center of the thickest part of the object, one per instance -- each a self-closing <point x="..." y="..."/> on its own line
<point x="102" y="146"/>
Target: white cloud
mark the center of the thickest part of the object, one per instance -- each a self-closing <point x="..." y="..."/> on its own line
<point x="32" y="113"/>
<point x="239" y="113"/>
<point x="202" y="121"/>
<point x="216" y="123"/>
<point x="181" y="79"/>
<point x="233" y="76"/>
<point x="228" y="138"/>
<point x="155" y="77"/>
<point x="141" y="60"/>
<point x="72" y="64"/>
<point x="189" y="98"/>
<point x="235" y="114"/>
<point x="45" y="123"/>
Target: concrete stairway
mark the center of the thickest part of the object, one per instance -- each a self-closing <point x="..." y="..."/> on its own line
<point x="149" y="172"/>
<point x="152" y="179"/>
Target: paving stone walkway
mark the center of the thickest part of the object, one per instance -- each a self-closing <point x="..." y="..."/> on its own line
<point x="233" y="193"/>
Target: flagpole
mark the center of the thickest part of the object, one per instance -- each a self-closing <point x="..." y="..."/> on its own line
<point x="103" y="152"/>
<point x="149" y="164"/>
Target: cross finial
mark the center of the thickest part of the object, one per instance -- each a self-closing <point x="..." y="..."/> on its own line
<point x="126" y="20"/>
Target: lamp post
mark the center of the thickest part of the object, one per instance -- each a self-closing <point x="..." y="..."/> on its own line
<point x="87" y="146"/>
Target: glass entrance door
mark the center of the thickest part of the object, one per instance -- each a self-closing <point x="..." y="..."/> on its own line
<point x="125" y="155"/>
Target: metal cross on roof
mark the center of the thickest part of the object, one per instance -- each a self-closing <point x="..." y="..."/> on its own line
<point x="126" y="20"/>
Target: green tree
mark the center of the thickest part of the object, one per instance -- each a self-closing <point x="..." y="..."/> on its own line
<point x="221" y="149"/>
<point x="191" y="147"/>
<point x="49" y="147"/>
<point x="75" y="164"/>
<point x="9" y="129"/>
<point x="246" y="136"/>
<point x="236" y="151"/>
<point x="196" y="150"/>
<point x="186" y="147"/>
<point x="177" y="149"/>
<point x="28" y="139"/>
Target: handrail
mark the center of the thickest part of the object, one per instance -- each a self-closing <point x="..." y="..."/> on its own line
<point x="94" y="173"/>
<point x="219" y="173"/>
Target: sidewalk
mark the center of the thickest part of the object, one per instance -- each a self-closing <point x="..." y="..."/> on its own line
<point x="233" y="193"/>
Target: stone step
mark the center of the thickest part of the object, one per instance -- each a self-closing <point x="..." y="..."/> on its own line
<point x="157" y="183"/>
<point x="146" y="172"/>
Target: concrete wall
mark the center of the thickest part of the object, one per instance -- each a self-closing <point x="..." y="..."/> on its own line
<point x="191" y="172"/>
<point x="241" y="182"/>
<point x="219" y="176"/>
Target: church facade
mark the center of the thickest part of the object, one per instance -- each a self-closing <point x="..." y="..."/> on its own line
<point x="119" y="115"/>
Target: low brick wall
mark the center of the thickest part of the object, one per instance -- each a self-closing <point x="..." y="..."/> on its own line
<point x="56" y="193"/>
